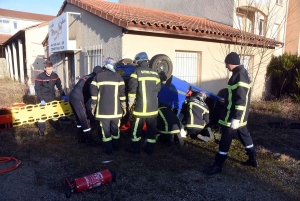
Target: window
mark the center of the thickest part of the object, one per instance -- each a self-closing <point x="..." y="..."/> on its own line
<point x="279" y="2"/>
<point x="187" y="67"/>
<point x="262" y="2"/>
<point x="4" y="26"/>
<point x="15" y="25"/>
<point x="239" y="22"/>
<point x="276" y="31"/>
<point x="93" y="57"/>
<point x="245" y="19"/>
<point x="261" y="27"/>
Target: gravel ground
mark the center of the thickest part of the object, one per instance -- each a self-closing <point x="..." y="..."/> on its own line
<point x="172" y="173"/>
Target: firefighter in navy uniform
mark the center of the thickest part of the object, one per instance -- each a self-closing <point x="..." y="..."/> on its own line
<point x="233" y="119"/>
<point x="168" y="125"/>
<point x="143" y="87"/>
<point x="196" y="115"/>
<point x="79" y="97"/>
<point x="44" y="88"/>
<point x="109" y="103"/>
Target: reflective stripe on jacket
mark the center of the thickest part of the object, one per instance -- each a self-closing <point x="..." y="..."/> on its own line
<point x="108" y="91"/>
<point x="237" y="102"/>
<point x="167" y="121"/>
<point x="144" y="84"/>
<point x="197" y="114"/>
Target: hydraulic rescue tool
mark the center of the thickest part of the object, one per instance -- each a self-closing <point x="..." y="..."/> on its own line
<point x="88" y="182"/>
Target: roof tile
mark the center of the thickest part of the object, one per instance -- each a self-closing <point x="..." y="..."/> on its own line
<point x="4" y="38"/>
<point x="142" y="19"/>
<point x="25" y="15"/>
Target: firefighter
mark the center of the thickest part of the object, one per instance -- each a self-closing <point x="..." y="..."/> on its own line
<point x="109" y="103"/>
<point x="233" y="119"/>
<point x="79" y="98"/>
<point x="168" y="125"/>
<point x="44" y="88"/>
<point x="196" y="114"/>
<point x="143" y="87"/>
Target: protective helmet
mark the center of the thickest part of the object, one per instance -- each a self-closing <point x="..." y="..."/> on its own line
<point x="201" y="96"/>
<point x="110" y="64"/>
<point x="142" y="56"/>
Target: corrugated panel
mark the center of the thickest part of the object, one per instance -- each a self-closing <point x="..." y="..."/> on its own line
<point x="186" y="67"/>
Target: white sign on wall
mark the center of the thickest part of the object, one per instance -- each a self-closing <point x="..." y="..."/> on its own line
<point x="58" y="31"/>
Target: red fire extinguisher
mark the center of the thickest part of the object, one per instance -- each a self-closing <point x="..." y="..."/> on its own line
<point x="88" y="182"/>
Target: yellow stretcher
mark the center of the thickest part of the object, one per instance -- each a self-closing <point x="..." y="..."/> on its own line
<point x="29" y="114"/>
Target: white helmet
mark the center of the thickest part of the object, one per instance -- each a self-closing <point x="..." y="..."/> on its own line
<point x="110" y="64"/>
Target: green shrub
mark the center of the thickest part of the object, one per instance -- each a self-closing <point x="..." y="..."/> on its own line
<point x="284" y="72"/>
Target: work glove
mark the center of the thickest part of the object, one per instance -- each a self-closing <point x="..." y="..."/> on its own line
<point x="123" y="105"/>
<point x="235" y="124"/>
<point x="43" y="103"/>
<point x="64" y="98"/>
<point x="129" y="107"/>
<point x="130" y="102"/>
<point x="124" y="112"/>
<point x="93" y="106"/>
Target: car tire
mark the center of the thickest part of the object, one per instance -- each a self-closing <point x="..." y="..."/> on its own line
<point x="162" y="62"/>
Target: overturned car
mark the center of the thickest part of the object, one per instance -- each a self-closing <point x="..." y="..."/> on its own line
<point x="174" y="91"/>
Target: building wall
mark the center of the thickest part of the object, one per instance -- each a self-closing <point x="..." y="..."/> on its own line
<point x="214" y="75"/>
<point x="271" y="13"/>
<point x="34" y="52"/>
<point x="21" y="24"/>
<point x="3" y="70"/>
<point x="292" y="42"/>
<point x="215" y="10"/>
<point x="90" y="32"/>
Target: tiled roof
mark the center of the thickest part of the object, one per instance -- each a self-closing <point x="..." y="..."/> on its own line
<point x="42" y="24"/>
<point x="25" y="15"/>
<point x="4" y="38"/>
<point x="135" y="18"/>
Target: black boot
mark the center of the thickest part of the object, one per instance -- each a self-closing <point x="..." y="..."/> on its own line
<point x="217" y="166"/>
<point x="56" y="125"/>
<point x="42" y="127"/>
<point x="252" y="161"/>
<point x="115" y="144"/>
<point x="108" y="147"/>
<point x="134" y="148"/>
<point x="89" y="139"/>
<point x="214" y="169"/>
<point x="81" y="137"/>
<point x="149" y="148"/>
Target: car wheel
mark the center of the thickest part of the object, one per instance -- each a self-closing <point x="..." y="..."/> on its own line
<point x="161" y="62"/>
